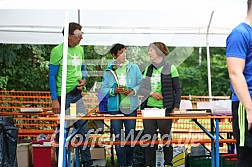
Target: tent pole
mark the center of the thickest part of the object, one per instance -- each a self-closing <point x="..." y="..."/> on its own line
<point x="79" y="16"/>
<point x="63" y="94"/>
<point x="200" y="55"/>
<point x="208" y="59"/>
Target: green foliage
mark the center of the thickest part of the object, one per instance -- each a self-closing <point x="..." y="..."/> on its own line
<point x="194" y="77"/>
<point x="138" y="55"/>
<point x="219" y="73"/>
<point x="95" y="60"/>
<point x="3" y="82"/>
<point x="25" y="67"/>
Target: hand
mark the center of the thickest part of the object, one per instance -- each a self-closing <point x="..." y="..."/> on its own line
<point x="249" y="118"/>
<point x="119" y="89"/>
<point x="175" y="109"/>
<point x="55" y="106"/>
<point x="81" y="84"/>
<point x="128" y="92"/>
<point x="156" y="95"/>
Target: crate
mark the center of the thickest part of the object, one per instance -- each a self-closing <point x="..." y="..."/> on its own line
<point x="43" y="154"/>
<point x="198" y="150"/>
<point x="226" y="160"/>
<point x="200" y="161"/>
<point x="24" y="154"/>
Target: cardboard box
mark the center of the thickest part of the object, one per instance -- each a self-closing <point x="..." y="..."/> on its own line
<point x="98" y="153"/>
<point x="153" y="112"/>
<point x="99" y="162"/>
<point x="24" y="154"/>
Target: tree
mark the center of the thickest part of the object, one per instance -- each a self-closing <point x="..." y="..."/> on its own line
<point x="194" y="77"/>
<point x="25" y="67"/>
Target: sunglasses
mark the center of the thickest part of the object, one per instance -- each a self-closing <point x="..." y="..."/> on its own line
<point x="79" y="34"/>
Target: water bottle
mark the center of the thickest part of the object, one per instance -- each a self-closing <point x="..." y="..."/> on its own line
<point x="160" y="157"/>
<point x="72" y="159"/>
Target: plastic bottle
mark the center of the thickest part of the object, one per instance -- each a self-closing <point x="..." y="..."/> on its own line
<point x="159" y="157"/>
<point x="72" y="159"/>
<point x="72" y="109"/>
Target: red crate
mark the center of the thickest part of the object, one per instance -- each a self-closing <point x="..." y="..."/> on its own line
<point x="228" y="160"/>
<point x="43" y="156"/>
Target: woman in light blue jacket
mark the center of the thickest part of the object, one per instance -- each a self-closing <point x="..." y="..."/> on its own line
<point x="121" y="83"/>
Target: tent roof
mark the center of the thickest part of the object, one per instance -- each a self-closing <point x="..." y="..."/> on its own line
<point x="175" y="22"/>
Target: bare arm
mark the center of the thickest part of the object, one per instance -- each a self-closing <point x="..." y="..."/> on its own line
<point x="235" y="70"/>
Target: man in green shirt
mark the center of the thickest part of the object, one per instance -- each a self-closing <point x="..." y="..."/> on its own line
<point x="76" y="75"/>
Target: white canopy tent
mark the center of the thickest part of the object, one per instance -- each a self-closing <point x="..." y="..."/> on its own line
<point x="194" y="23"/>
<point x="177" y="23"/>
<point x="201" y="23"/>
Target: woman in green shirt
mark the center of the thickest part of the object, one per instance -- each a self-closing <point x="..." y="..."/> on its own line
<point x="161" y="89"/>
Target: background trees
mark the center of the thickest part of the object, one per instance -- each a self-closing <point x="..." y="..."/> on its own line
<point x="25" y="67"/>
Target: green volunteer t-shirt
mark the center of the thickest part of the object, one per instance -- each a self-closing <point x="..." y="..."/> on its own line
<point x="121" y="75"/>
<point x="156" y="85"/>
<point x="75" y="59"/>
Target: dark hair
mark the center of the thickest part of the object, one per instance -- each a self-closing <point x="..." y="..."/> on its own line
<point x="160" y="48"/>
<point x="249" y="2"/>
<point x="115" y="48"/>
<point x="72" y="27"/>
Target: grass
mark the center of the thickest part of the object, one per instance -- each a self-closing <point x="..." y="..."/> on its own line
<point x="109" y="164"/>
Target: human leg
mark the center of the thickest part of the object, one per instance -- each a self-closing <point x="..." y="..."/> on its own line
<point x="57" y="140"/>
<point x="150" y="132"/>
<point x="130" y="126"/>
<point x="244" y="159"/>
<point x="242" y="135"/>
<point x="117" y="127"/>
<point x="85" y="149"/>
<point x="164" y="127"/>
<point x="80" y="107"/>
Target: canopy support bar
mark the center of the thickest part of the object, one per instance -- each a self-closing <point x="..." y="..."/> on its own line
<point x="208" y="59"/>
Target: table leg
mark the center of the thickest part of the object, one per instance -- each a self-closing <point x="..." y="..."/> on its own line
<point x="77" y="163"/>
<point x="212" y="144"/>
<point x="64" y="148"/>
<point x="69" y="155"/>
<point x="217" y="143"/>
<point x="211" y="136"/>
<point x="69" y="138"/>
<point x="112" y="148"/>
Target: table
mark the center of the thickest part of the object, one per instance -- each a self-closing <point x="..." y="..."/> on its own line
<point x="213" y="135"/>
